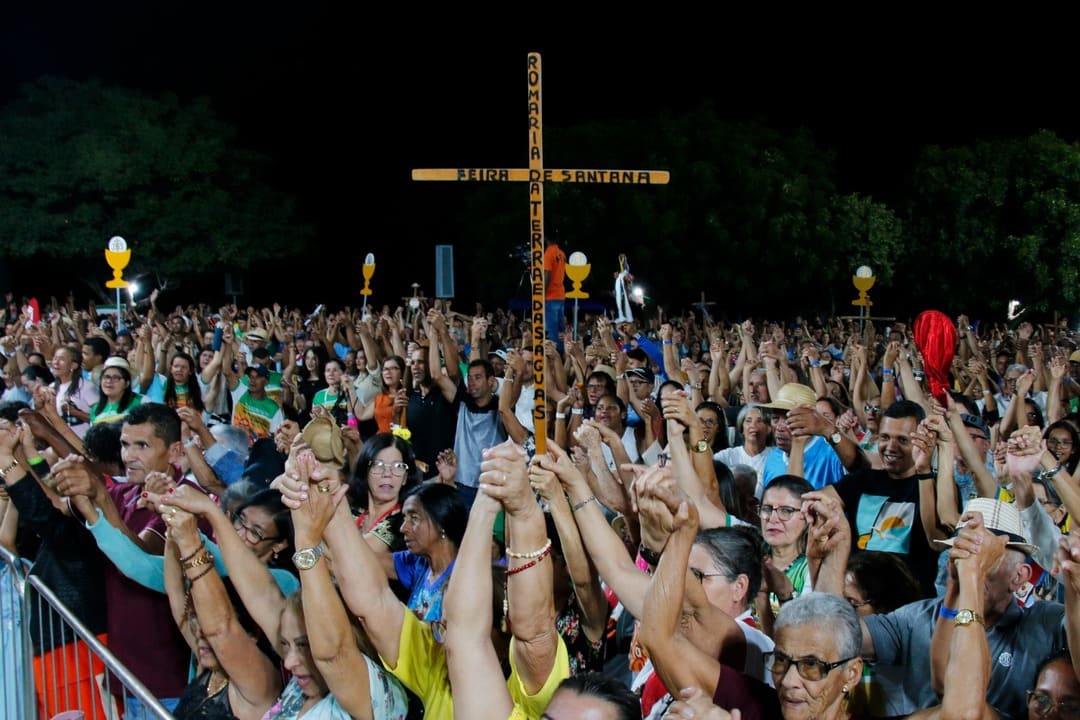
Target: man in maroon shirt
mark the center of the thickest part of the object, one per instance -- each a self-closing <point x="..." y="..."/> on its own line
<point x="142" y="633"/>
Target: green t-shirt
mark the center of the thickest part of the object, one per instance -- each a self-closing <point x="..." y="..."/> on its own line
<point x="111" y="412"/>
<point x="259" y="418"/>
<point x="273" y="385"/>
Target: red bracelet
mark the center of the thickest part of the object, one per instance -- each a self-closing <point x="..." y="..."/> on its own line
<point x="526" y="566"/>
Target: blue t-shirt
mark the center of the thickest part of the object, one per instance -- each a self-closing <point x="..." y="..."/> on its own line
<point x="425" y="591"/>
<point x="821" y="464"/>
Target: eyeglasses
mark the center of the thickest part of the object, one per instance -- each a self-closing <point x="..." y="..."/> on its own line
<point x="1041" y="704"/>
<point x="596" y="386"/>
<point x="254" y="534"/>
<point x="1033" y="416"/>
<point x="112" y="378"/>
<point x="875" y="409"/>
<point x="809" y="668"/>
<point x="783" y="511"/>
<point x="1054" y="442"/>
<point x="382" y="468"/>
<point x="701" y="574"/>
<point x="709" y="422"/>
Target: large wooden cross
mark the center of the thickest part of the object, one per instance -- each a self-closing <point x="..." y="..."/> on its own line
<point x="536" y="175"/>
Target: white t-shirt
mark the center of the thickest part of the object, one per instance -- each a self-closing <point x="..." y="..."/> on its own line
<point x="738" y="456"/>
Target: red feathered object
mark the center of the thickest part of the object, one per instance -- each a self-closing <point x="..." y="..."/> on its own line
<point x="935" y="336"/>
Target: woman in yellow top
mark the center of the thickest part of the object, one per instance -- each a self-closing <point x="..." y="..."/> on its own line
<point x="406" y="645"/>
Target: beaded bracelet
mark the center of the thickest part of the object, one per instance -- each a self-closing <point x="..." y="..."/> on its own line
<point x="200" y="575"/>
<point x="521" y="568"/>
<point x="202" y="546"/>
<point x="204" y="559"/>
<point x="529" y="555"/>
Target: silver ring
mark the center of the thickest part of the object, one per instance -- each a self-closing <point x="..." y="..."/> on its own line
<point x="324" y="488"/>
<point x="172" y="512"/>
<point x="504" y="478"/>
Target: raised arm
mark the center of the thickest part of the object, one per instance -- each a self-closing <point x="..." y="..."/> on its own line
<point x="671" y="355"/>
<point x="719" y="377"/>
<point x="985" y="484"/>
<point x="1055" y="407"/>
<point x="678" y="661"/>
<point x="362" y="581"/>
<point x="912" y="389"/>
<point x="948" y="504"/>
<point x="590" y="595"/>
<point x="330" y="637"/>
<point x="606" y="488"/>
<point x="960" y="654"/>
<point x="472" y="665"/>
<point x="702" y="488"/>
<point x="250" y="672"/>
<point x="511" y="391"/>
<point x="1067" y="559"/>
<point x="605" y="547"/>
<point x="529" y="586"/>
<point x="803" y="419"/>
<point x="440" y="348"/>
<point x="251" y="578"/>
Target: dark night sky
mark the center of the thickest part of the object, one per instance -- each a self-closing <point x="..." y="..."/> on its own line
<point x="347" y="103"/>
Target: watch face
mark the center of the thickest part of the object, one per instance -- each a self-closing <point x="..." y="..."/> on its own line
<point x="836" y="438"/>
<point x="702" y="446"/>
<point x="305" y="559"/>
<point x="965" y="617"/>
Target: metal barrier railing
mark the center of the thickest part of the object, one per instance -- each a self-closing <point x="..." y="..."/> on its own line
<point x="16" y="651"/>
<point x="77" y="655"/>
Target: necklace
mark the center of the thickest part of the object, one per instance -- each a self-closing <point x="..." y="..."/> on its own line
<point x="211" y="691"/>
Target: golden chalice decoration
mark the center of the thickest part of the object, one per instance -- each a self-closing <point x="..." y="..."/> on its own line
<point x="118" y="256"/>
<point x="863" y="279"/>
<point x="577" y="269"/>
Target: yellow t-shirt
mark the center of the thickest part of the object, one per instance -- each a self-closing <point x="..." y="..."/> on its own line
<point x="421" y="667"/>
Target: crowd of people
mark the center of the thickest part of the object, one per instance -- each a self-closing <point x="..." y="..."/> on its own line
<point x="265" y="513"/>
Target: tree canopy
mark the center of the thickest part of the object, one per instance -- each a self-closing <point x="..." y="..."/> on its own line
<point x="997" y="220"/>
<point x="81" y="162"/>
<point x="750" y="211"/>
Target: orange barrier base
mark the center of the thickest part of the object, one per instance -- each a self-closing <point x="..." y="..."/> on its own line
<point x="64" y="684"/>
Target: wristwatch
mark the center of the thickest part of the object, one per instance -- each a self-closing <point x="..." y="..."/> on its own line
<point x="305" y="558"/>
<point x="701" y="446"/>
<point x="966" y="617"/>
<point x="836" y="437"/>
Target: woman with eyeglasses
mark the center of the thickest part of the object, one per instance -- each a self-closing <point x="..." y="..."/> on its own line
<point x="816" y="662"/>
<point x="385" y="471"/>
<point x="784" y="526"/>
<point x="1063" y="442"/>
<point x="713" y="425"/>
<point x="117" y="397"/>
